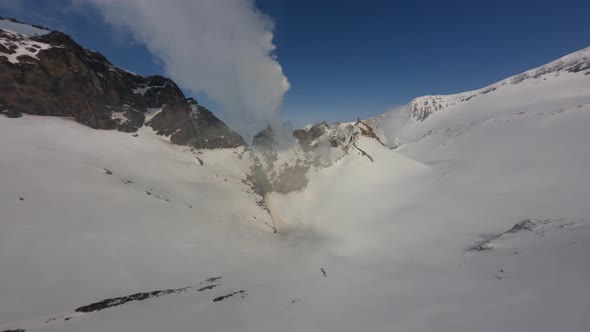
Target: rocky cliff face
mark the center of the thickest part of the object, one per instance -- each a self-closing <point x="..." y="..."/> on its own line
<point x="189" y="123"/>
<point x="48" y="73"/>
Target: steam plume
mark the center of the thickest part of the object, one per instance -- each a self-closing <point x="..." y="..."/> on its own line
<point x="223" y="48"/>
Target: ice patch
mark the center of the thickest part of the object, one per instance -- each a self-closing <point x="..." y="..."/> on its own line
<point x="21" y="28"/>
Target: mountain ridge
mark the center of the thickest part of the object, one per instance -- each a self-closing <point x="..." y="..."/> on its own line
<point x="50" y="74"/>
<point x="423" y="106"/>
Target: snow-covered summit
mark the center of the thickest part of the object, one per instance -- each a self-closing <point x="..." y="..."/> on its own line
<point x="561" y="84"/>
<point x="388" y="126"/>
<point x="577" y="62"/>
<point x="13" y="25"/>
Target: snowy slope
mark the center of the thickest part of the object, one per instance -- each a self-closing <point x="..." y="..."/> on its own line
<point x="577" y="62"/>
<point x="19" y="47"/>
<point x="560" y="84"/>
<point x="13" y="40"/>
<point x="87" y="214"/>
<point x="22" y="28"/>
<point x="478" y="221"/>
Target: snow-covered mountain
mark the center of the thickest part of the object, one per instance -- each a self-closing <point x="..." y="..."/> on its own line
<point x="477" y="220"/>
<point x="562" y="83"/>
<point x="578" y="62"/>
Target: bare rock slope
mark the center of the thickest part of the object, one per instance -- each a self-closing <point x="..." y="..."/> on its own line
<point x="48" y="73"/>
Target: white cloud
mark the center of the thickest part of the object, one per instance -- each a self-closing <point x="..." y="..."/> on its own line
<point x="223" y="48"/>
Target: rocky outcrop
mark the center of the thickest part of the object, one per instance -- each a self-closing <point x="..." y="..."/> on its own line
<point x="363" y="129"/>
<point x="423" y="107"/>
<point x="336" y="135"/>
<point x="52" y="75"/>
<point x="271" y="172"/>
<point x="276" y="168"/>
<point x="306" y="137"/>
<point x="264" y="139"/>
<point x="192" y="124"/>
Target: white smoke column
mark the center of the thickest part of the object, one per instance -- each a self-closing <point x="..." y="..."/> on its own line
<point x="393" y="124"/>
<point x="223" y="48"/>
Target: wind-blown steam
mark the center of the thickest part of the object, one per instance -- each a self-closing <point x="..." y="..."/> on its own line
<point x="223" y="48"/>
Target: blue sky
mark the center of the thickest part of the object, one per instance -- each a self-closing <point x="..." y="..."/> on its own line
<point x="348" y="59"/>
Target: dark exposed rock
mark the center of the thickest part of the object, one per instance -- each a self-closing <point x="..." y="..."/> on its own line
<point x="67" y="80"/>
<point x="488" y="90"/>
<point x="10" y="113"/>
<point x="160" y="90"/>
<point x="117" y="301"/>
<point x="212" y="279"/>
<point x="302" y="136"/>
<point x="70" y="81"/>
<point x="242" y="294"/>
<point x="367" y="131"/>
<point x="192" y="124"/>
<point x="318" y="129"/>
<point x="17" y="330"/>
<point x="363" y="153"/>
<point x="264" y="139"/>
<point x="202" y="289"/>
<point x="524" y="225"/>
<point x="306" y="137"/>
